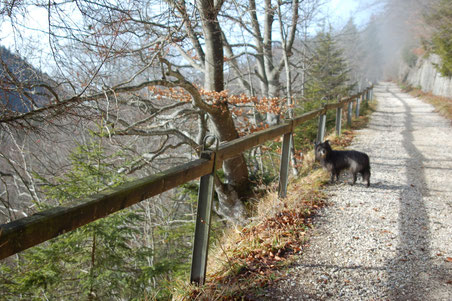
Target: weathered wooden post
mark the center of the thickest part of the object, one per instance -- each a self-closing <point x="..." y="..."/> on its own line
<point x="357" y="107"/>
<point x="203" y="215"/>
<point x="338" y="119"/>
<point x="321" y="129"/>
<point x="284" y="167"/>
<point x="349" y="114"/>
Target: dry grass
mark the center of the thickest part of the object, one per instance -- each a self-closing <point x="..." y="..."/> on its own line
<point x="249" y="258"/>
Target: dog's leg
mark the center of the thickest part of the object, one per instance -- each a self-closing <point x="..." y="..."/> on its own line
<point x="366" y="177"/>
<point x="332" y="177"/>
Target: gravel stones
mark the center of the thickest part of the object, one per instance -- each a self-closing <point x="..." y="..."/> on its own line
<point x="392" y="241"/>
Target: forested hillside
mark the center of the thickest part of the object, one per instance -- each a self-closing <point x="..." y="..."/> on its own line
<point x="31" y="94"/>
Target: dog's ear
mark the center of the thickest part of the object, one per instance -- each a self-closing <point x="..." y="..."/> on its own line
<point x="327" y="142"/>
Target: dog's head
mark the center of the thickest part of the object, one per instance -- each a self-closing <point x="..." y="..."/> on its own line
<point x="322" y="150"/>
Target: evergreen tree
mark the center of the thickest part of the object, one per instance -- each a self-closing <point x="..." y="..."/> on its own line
<point x="441" y="42"/>
<point x="328" y="73"/>
<point x="351" y="42"/>
<point x="100" y="261"/>
<point x="373" y="60"/>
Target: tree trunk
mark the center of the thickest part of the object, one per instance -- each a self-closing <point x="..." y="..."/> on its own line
<point x="235" y="169"/>
<point x="230" y="205"/>
<point x="288" y="83"/>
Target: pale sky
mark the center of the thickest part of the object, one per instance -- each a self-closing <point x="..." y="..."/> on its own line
<point x="33" y="35"/>
<point x="339" y="11"/>
<point x="343" y="8"/>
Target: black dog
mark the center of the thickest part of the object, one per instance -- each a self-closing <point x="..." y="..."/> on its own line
<point x="336" y="161"/>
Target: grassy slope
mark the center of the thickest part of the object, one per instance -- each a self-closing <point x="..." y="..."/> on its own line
<point x="247" y="259"/>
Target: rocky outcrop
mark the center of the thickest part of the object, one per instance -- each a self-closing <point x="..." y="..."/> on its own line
<point x="425" y="76"/>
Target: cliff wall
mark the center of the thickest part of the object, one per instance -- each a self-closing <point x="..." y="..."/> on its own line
<point x="425" y="76"/>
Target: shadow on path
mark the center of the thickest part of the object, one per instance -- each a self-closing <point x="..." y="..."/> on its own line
<point x="407" y="271"/>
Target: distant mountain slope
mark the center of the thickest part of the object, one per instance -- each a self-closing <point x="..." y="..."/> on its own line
<point x="18" y="84"/>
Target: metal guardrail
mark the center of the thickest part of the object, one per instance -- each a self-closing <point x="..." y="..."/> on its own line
<point x="24" y="233"/>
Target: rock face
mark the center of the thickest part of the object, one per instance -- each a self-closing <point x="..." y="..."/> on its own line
<point x="425" y="76"/>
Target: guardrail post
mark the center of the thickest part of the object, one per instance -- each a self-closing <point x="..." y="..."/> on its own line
<point x="284" y="168"/>
<point x="349" y="114"/>
<point x="367" y="97"/>
<point x="338" y="120"/>
<point x="321" y="129"/>
<point x="357" y="107"/>
<point x="203" y="217"/>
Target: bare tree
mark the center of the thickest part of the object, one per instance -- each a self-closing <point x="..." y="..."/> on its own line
<point x="124" y="37"/>
<point x="133" y="67"/>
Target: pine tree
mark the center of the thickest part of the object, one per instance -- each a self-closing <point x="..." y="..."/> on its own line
<point x="441" y="41"/>
<point x="328" y="78"/>
<point x="373" y="60"/>
<point x="351" y="42"/>
<point x="328" y="73"/>
<point x="99" y="261"/>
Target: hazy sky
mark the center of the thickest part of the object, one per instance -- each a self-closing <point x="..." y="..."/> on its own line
<point x="344" y="8"/>
<point x="340" y="11"/>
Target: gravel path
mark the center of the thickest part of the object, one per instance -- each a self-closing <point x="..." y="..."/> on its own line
<point x="391" y="241"/>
